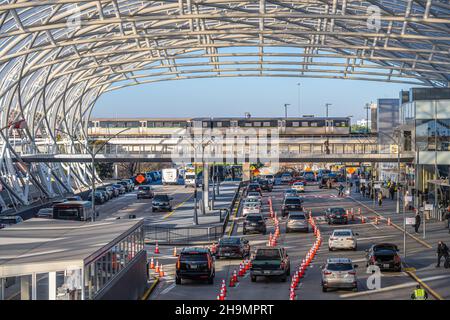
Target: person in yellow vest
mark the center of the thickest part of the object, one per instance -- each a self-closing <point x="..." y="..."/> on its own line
<point x="419" y="293"/>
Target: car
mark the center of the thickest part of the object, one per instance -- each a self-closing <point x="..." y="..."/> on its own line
<point x="270" y="178"/>
<point x="254" y="188"/>
<point x="291" y="193"/>
<point x="339" y="273"/>
<point x="10" y="220"/>
<point x="291" y="204"/>
<point x="98" y="197"/>
<point x="104" y="193"/>
<point x="254" y="222"/>
<point x="309" y="176"/>
<point x="145" y="191"/>
<point x="299" y="186"/>
<point x="254" y="195"/>
<point x="107" y="192"/>
<point x="45" y="213"/>
<point x="343" y="239"/>
<point x="385" y="256"/>
<point x="233" y="247"/>
<point x="161" y="202"/>
<point x="286" y="178"/>
<point x="251" y="207"/>
<point x="270" y="262"/>
<point x="266" y="185"/>
<point x="74" y="198"/>
<point x="297" y="221"/>
<point x="126" y="184"/>
<point x="195" y="263"/>
<point x="120" y="188"/>
<point x="336" y="215"/>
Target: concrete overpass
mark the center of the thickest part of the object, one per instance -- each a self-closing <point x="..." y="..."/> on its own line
<point x="282" y="158"/>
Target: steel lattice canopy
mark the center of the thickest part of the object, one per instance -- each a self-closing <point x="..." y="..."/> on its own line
<point x="57" y="57"/>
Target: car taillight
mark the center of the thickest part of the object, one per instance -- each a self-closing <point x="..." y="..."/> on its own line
<point x="348" y="238"/>
<point x="209" y="262"/>
<point x="178" y="264"/>
<point x="327" y="273"/>
<point x="333" y="216"/>
<point x="352" y="273"/>
<point x="373" y="260"/>
<point x="397" y="259"/>
<point x="333" y="238"/>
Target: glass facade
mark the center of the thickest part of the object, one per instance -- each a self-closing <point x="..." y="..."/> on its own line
<point x="99" y="272"/>
<point x="433" y="135"/>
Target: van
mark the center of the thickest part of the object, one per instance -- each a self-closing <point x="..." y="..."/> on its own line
<point x="73" y="210"/>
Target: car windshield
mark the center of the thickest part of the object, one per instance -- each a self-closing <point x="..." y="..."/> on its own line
<point x="342" y="234"/>
<point x="267" y="254"/>
<point x="194" y="257"/>
<point x="117" y="186"/>
<point x="337" y="210"/>
<point x="298" y="184"/>
<point x="254" y="218"/>
<point x="291" y="191"/>
<point x="161" y="197"/>
<point x="253" y="194"/>
<point x="269" y="177"/>
<point x="229" y="241"/>
<point x="144" y="188"/>
<point x="339" y="266"/>
<point x="297" y="217"/>
<point x="293" y="201"/>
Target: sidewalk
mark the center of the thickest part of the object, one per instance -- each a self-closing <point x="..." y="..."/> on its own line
<point x="421" y="258"/>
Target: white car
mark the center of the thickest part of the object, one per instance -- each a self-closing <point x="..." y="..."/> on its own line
<point x="251" y="208"/>
<point x="254" y="195"/>
<point x="339" y="273"/>
<point x="343" y="239"/>
<point x="253" y="201"/>
<point x="299" y="186"/>
<point x="45" y="213"/>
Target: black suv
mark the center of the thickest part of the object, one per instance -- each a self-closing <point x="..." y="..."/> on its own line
<point x="196" y="264"/>
<point x="254" y="222"/>
<point x="291" y="204"/>
<point x="254" y="187"/>
<point x="161" y="202"/>
<point x="266" y="185"/>
<point x="336" y="215"/>
<point x="233" y="247"/>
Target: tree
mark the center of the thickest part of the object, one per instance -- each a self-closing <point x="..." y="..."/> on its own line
<point x="105" y="170"/>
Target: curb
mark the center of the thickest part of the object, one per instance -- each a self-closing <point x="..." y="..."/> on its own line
<point x="426" y="244"/>
<point x="150" y="290"/>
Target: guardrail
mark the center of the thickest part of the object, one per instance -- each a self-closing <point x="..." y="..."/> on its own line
<point x="181" y="235"/>
<point x="232" y="205"/>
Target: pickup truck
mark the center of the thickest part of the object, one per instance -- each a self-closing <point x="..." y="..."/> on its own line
<point x="270" y="262"/>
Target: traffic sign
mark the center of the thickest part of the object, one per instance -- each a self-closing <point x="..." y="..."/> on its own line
<point x="429" y="207"/>
<point x="140" y="179"/>
<point x="410" y="221"/>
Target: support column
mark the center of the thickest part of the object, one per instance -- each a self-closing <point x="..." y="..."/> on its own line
<point x="25" y="288"/>
<point x="116" y="171"/>
<point x="205" y="201"/>
<point x="52" y="286"/>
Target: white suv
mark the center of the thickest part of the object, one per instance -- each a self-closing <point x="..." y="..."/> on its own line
<point x="339" y="273"/>
<point x="343" y="239"/>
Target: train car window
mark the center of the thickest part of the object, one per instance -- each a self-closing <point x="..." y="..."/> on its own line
<point x="257" y="124"/>
<point x="313" y="124"/>
<point x="266" y="124"/>
<point x="248" y="124"/>
<point x="304" y="124"/>
<point x="295" y="124"/>
<point x="167" y="124"/>
<point x="150" y="124"/>
<point x="158" y="124"/>
<point x="205" y="124"/>
<point x="219" y="124"/>
<point x="91" y="124"/>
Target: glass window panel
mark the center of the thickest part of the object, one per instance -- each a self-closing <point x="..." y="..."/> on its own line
<point x="42" y="286"/>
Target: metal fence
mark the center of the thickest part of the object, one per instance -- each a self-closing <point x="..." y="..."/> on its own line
<point x="181" y="235"/>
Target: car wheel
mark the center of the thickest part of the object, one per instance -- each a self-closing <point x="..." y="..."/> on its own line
<point x="283" y="278"/>
<point x="324" y="289"/>
<point x="253" y="278"/>
<point x="355" y="289"/>
<point x="355" y="248"/>
<point x="177" y="280"/>
<point x="330" y="249"/>
<point x="211" y="280"/>
<point x="287" y="230"/>
<point x="264" y="232"/>
<point x="153" y="209"/>
<point x="244" y="232"/>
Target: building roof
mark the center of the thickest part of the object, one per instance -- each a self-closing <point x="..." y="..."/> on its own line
<point x="43" y="245"/>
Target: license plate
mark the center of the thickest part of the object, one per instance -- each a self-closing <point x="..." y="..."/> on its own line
<point x="226" y="254"/>
<point x="194" y="267"/>
<point x="385" y="265"/>
<point x="266" y="272"/>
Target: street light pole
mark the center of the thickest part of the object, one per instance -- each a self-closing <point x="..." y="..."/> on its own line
<point x="285" y="110"/>
<point x="367" y="107"/>
<point x="327" y="105"/>
<point x="299" y="113"/>
<point x="93" y="155"/>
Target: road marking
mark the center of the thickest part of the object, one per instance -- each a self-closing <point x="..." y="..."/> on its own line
<point x="166" y="290"/>
<point x="390" y="288"/>
<point x="377" y="237"/>
<point x="177" y="206"/>
<point x="374" y="225"/>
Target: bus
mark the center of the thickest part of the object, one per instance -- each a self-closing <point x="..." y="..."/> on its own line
<point x="73" y="210"/>
<point x="190" y="177"/>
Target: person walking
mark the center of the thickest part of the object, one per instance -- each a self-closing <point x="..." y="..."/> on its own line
<point x="340" y="190"/>
<point x="418" y="221"/>
<point x="392" y="191"/>
<point x="363" y="190"/>
<point x="380" y="198"/>
<point x="419" y="293"/>
<point x="442" y="251"/>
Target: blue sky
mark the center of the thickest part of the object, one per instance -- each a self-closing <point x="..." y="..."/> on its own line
<point x="262" y="97"/>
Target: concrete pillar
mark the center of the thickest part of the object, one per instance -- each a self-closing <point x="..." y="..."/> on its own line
<point x="116" y="171"/>
<point x="205" y="187"/>
<point x="25" y="288"/>
<point x="52" y="286"/>
<point x="246" y="171"/>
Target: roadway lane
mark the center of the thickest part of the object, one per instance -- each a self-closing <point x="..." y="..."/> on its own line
<point x="394" y="285"/>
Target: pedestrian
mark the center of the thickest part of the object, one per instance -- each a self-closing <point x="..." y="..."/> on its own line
<point x="392" y="191"/>
<point x="380" y="198"/>
<point x="417" y="224"/>
<point x="419" y="294"/>
<point x="340" y="190"/>
<point x="357" y="185"/>
<point x="442" y="251"/>
<point x="363" y="190"/>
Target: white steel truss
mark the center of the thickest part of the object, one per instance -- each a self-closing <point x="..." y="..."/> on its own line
<point x="57" y="57"/>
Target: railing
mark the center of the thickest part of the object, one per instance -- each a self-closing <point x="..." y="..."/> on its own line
<point x="181" y="235"/>
<point x="232" y="205"/>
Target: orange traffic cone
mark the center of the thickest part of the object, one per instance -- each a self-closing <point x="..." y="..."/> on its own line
<point x="376" y="220"/>
<point x="235" y="278"/>
<point x="152" y="264"/>
<point x="389" y="221"/>
<point x="161" y="272"/>
<point x="363" y="220"/>
<point x="174" y="251"/>
<point x="156" y="248"/>
<point x="157" y="267"/>
<point x="231" y="284"/>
